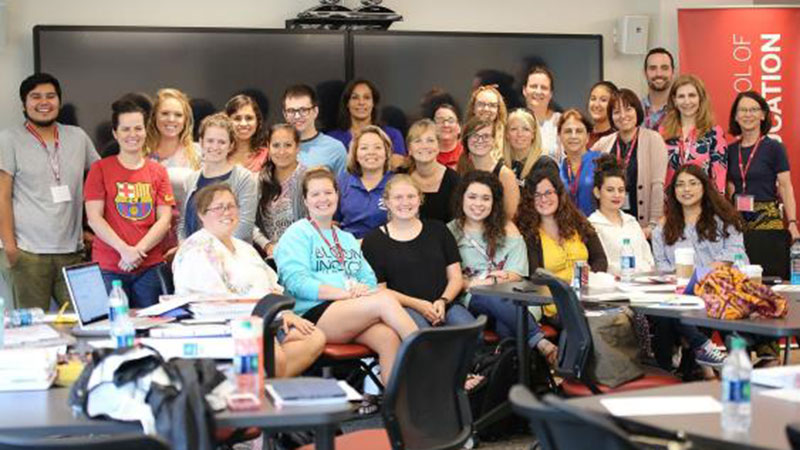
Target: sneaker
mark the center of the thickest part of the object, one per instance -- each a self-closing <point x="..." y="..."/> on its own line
<point x="709" y="355"/>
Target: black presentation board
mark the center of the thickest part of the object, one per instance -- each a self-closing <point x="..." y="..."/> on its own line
<point x="96" y="65"/>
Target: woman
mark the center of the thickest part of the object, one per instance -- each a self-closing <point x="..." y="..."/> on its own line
<point x="492" y="251"/>
<point x="281" y="199"/>
<point x="129" y="208"/>
<point x="436" y="181"/>
<point x="538" y="93"/>
<point x="690" y="133"/>
<point x="417" y="260"/>
<point x="611" y="223"/>
<point x="213" y="261"/>
<point x="358" y="108"/>
<point x="322" y="267"/>
<point x="523" y="143"/>
<point x="597" y="106"/>
<point x="448" y="131"/>
<point x="488" y="105"/>
<point x="698" y="217"/>
<point x="248" y="123"/>
<point x="577" y="167"/>
<point x="765" y="165"/>
<point x="557" y="235"/>
<point x="217" y="140"/>
<point x="479" y="140"/>
<point x="360" y="208"/>
<point x="642" y="154"/>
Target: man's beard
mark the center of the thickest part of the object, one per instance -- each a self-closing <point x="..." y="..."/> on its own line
<point x="654" y="87"/>
<point x="40" y="123"/>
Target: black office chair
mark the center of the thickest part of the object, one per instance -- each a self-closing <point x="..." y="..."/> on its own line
<point x="425" y="405"/>
<point x="558" y="425"/>
<point x="268" y="308"/>
<point x="575" y="345"/>
<point x="120" y="442"/>
<point x="793" y="434"/>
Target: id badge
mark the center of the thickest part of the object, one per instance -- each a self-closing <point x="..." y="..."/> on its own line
<point x="60" y="194"/>
<point x="349" y="283"/>
<point x="745" y="203"/>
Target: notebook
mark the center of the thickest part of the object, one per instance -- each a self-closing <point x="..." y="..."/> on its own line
<point x="89" y="297"/>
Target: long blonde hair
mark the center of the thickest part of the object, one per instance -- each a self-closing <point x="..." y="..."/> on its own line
<point x="499" y="121"/>
<point x="705" y="117"/>
<point x="535" y="149"/>
<point x="154" y="136"/>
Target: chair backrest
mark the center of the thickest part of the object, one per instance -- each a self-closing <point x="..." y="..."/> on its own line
<point x="119" y="442"/>
<point x="793" y="434"/>
<point x="557" y="425"/>
<point x="425" y="405"/>
<point x="575" y="342"/>
<point x="268" y="308"/>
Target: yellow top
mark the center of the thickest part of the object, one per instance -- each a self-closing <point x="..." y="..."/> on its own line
<point x="559" y="259"/>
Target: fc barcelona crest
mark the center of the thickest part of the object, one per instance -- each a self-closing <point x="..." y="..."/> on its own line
<point x="134" y="200"/>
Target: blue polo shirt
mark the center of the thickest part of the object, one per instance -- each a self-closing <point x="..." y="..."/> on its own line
<point x="583" y="197"/>
<point x="398" y="144"/>
<point x="360" y="211"/>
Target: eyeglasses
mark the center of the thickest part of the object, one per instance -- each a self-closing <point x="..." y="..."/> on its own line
<point x="537" y="196"/>
<point x="753" y="110"/>
<point x="222" y="209"/>
<point x="302" y="112"/>
<point x="688" y="185"/>
<point x="446" y="121"/>
<point x="486" y="105"/>
<point x="483" y="137"/>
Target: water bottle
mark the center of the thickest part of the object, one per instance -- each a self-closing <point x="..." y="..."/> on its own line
<point x="24" y="317"/>
<point x="736" y="374"/>
<point x="247" y="366"/>
<point x="627" y="263"/>
<point x="794" y="258"/>
<point x="121" y="330"/>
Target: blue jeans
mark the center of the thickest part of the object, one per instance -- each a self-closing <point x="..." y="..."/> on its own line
<point x="142" y="288"/>
<point x="456" y="314"/>
<point x="504" y="313"/>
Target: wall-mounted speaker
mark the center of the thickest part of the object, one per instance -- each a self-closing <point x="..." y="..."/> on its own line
<point x="630" y="34"/>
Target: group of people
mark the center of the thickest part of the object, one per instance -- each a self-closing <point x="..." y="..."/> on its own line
<point x="376" y="236"/>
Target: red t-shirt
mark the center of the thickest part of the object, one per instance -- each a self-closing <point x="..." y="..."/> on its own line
<point x="130" y="199"/>
<point x="450" y="159"/>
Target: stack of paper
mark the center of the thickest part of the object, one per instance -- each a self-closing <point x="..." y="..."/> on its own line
<point x="39" y="335"/>
<point x="777" y="377"/>
<point x="26" y="369"/>
<point x="231" y="309"/>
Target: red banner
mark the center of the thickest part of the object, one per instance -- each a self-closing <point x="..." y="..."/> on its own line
<point x="739" y="49"/>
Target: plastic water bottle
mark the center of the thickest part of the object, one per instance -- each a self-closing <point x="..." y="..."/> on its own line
<point x="24" y="317"/>
<point x="627" y="263"/>
<point x="736" y="373"/>
<point x="247" y="366"/>
<point x="122" y="332"/>
<point x="794" y="258"/>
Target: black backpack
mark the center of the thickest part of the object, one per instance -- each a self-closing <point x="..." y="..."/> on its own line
<point x="499" y="366"/>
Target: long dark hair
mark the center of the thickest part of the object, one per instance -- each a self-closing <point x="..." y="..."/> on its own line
<point x="270" y="186"/>
<point x="494" y="225"/>
<point x="240" y="101"/>
<point x="568" y="217"/>
<point x="712" y="203"/>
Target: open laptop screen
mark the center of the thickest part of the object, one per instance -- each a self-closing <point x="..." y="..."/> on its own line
<point x="88" y="292"/>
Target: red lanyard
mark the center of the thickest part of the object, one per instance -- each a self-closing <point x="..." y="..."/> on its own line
<point x="618" y="149"/>
<point x="573" y="181"/>
<point x="52" y="157"/>
<point x="743" y="169"/>
<point x="338" y="252"/>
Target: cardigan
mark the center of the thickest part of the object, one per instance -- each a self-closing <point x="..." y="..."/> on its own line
<point x="651" y="163"/>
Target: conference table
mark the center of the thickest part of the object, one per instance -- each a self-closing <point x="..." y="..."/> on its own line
<point x="770" y="415"/>
<point x="45" y="413"/>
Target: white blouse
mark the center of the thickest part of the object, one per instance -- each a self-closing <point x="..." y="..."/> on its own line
<point x="611" y="236"/>
<point x="204" y="265"/>
<point x="551" y="145"/>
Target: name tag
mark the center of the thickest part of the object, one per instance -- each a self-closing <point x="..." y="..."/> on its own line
<point x="745" y="203"/>
<point x="60" y="194"/>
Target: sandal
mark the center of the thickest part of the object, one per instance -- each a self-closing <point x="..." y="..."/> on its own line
<point x="370" y="405"/>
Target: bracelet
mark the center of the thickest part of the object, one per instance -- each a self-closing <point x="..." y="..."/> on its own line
<point x="446" y="300"/>
<point x="792" y="221"/>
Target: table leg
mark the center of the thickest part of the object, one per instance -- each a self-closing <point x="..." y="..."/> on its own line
<point x="324" y="438"/>
<point x="786" y="350"/>
<point x="522" y="344"/>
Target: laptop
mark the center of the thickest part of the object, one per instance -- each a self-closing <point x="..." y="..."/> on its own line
<point x="90" y="300"/>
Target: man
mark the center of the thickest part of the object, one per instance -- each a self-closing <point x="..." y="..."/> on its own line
<point x="300" y="109"/>
<point x="42" y="164"/>
<point x="659" y="69"/>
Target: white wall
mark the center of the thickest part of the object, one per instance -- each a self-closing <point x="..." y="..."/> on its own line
<point x="545" y="16"/>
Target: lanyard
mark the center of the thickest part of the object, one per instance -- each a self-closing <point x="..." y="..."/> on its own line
<point x="618" y="149"/>
<point x="482" y="251"/>
<point x="743" y="169"/>
<point x="682" y="151"/>
<point x="338" y="251"/>
<point x="52" y="157"/>
<point x="573" y="181"/>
